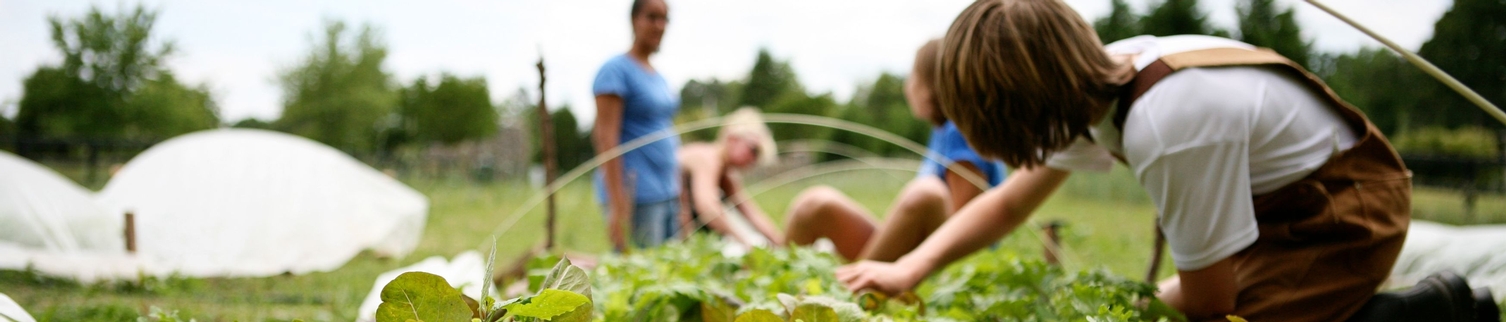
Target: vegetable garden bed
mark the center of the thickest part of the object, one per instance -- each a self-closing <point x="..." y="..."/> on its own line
<point x="693" y="281"/>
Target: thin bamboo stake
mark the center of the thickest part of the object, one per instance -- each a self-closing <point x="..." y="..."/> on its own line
<point x="601" y="158"/>
<point x="1423" y="64"/>
<point x="546" y="130"/>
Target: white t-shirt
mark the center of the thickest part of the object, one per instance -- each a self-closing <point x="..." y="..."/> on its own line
<point x="1203" y="141"/>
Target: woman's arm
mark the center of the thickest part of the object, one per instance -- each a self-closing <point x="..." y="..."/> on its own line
<point x="732" y="184"/>
<point x="992" y="215"/>
<point x="606" y="135"/>
<point x="962" y="191"/>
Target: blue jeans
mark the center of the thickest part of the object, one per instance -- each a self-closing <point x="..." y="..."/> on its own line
<point x="654" y="223"/>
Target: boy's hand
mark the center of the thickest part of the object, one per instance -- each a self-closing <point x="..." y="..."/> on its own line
<point x="887" y="278"/>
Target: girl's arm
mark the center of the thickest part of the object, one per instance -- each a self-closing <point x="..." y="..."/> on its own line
<point x="705" y="181"/>
<point x="962" y="191"/>
<point x="992" y="215"/>
<point x="732" y="184"/>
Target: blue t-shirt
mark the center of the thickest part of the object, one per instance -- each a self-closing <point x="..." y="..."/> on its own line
<point x="947" y="144"/>
<point x="648" y="106"/>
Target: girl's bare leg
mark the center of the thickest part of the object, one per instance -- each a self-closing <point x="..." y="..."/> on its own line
<point x="822" y="211"/>
<point x="922" y="206"/>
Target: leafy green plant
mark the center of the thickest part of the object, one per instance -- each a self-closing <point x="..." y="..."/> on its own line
<point x="565" y="296"/>
<point x="692" y="281"/>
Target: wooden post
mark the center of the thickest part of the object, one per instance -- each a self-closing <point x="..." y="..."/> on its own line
<point x="1470" y="193"/>
<point x="1053" y="241"/>
<point x="546" y="130"/>
<point x="130" y="232"/>
<point x="1500" y="157"/>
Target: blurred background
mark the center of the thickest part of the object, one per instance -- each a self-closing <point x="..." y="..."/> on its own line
<point x="442" y="96"/>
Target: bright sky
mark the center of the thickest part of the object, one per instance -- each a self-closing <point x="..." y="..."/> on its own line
<point x="238" y="47"/>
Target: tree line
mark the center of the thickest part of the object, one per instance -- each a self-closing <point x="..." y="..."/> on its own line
<point x="113" y="83"/>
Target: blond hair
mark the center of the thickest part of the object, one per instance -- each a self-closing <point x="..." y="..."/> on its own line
<point x="747" y="123"/>
<point x="1022" y="79"/>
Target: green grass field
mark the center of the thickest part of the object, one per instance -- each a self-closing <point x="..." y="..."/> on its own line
<point x="1108" y="225"/>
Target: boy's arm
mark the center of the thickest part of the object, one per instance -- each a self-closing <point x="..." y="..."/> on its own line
<point x="980" y="223"/>
<point x="1203" y="294"/>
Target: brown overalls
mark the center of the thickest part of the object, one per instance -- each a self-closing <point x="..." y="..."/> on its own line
<point x="1326" y="241"/>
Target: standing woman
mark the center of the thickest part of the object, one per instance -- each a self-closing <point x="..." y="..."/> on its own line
<point x="633" y="100"/>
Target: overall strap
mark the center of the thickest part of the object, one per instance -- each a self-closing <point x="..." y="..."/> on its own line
<point x="1221" y="57"/>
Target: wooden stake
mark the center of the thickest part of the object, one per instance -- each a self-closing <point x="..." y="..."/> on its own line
<point x="130" y="232"/>
<point x="1053" y="241"/>
<point x="1155" y="256"/>
<point x="546" y="130"/>
<point x="1423" y="64"/>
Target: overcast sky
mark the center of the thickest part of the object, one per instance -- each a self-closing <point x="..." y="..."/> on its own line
<point x="238" y="47"/>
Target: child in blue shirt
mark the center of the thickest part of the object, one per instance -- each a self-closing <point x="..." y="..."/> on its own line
<point x="923" y="204"/>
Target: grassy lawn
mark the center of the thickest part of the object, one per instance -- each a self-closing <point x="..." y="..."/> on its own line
<point x="1108" y="225"/>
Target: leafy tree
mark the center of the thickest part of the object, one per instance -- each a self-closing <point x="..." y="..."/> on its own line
<point x="1262" y="24"/>
<point x="1469" y="42"/>
<point x="882" y="105"/>
<point x="1377" y="82"/>
<point x="800" y="103"/>
<point x="7" y="127"/>
<point x="713" y="95"/>
<point x="112" y="83"/>
<point x="1122" y="22"/>
<point x="768" y="82"/>
<point x="573" y="144"/>
<point x="454" y="110"/>
<point x="704" y="99"/>
<point x="252" y="123"/>
<point x="1178" y="17"/>
<point x="55" y="103"/>
<point x="165" y="107"/>
<point x="339" y="94"/>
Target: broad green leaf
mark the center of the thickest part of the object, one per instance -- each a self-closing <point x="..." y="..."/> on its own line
<point x="553" y="305"/>
<point x="758" y="316"/>
<point x="1235" y="318"/>
<point x="843" y="310"/>
<point x="423" y="297"/>
<point x="814" y="313"/>
<point x="1158" y="309"/>
<point x="715" y="309"/>
<point x="568" y="277"/>
<point x="554" y="274"/>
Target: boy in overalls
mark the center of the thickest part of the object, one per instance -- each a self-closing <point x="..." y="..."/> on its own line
<point x="1279" y="201"/>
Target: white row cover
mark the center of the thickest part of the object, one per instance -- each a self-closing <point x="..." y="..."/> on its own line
<point x="1474" y="252"/>
<point x="12" y="312"/>
<point x="228" y="202"/>
<point x="46" y="219"/>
